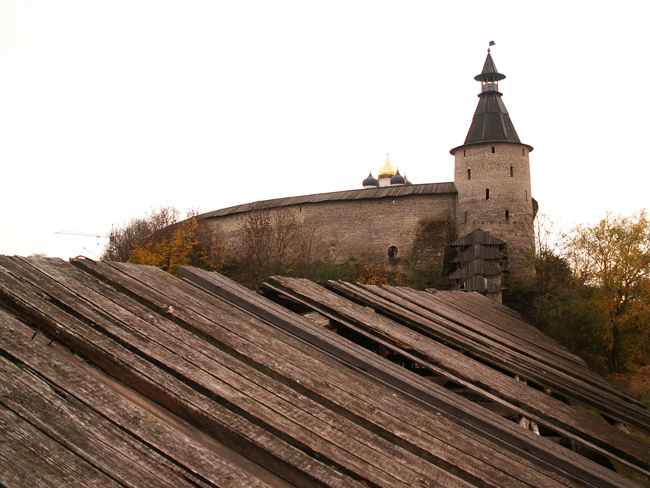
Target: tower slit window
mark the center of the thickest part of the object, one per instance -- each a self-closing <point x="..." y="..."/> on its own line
<point x="512" y="171"/>
<point x="469" y="174"/>
<point x="487" y="193"/>
<point x="494" y="149"/>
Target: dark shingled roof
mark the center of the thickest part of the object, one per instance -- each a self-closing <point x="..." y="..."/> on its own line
<point x="478" y="236"/>
<point x="477" y="251"/>
<point x="491" y="122"/>
<point x="363" y="194"/>
<point x="489" y="71"/>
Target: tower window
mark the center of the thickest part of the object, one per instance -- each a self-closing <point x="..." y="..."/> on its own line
<point x="469" y="174"/>
<point x="464" y="153"/>
<point x="512" y="171"/>
<point x="523" y="151"/>
<point x="507" y="214"/>
<point x="494" y="149"/>
<point x="487" y="193"/>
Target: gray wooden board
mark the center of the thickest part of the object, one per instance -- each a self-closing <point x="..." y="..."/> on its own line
<point x="28" y="457"/>
<point x="519" y="358"/>
<point x="184" y="450"/>
<point x="483" y="319"/>
<point x="478" y="389"/>
<point x="495" y="317"/>
<point x="82" y="431"/>
<point x="306" y="373"/>
<point x="462" y="411"/>
<point x="300" y="371"/>
<point x="171" y="392"/>
<point x="501" y="320"/>
<point x="257" y="394"/>
<point x="134" y="343"/>
<point x="273" y="312"/>
<point x="548" y="410"/>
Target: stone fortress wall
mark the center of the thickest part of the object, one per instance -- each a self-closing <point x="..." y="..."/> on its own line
<point x="420" y="226"/>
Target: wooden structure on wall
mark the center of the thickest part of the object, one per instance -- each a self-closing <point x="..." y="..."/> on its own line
<point x="122" y="375"/>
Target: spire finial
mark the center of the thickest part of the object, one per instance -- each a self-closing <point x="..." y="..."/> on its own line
<point x="492" y="43"/>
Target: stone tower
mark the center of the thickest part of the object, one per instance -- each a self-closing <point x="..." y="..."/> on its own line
<point x="492" y="173"/>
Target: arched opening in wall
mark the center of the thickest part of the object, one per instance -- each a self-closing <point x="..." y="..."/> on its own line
<point x="392" y="252"/>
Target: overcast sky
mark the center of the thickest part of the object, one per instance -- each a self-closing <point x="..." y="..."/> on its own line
<point x="111" y="108"/>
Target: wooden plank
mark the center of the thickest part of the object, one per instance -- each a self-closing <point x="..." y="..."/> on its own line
<point x="82" y="431"/>
<point x="281" y="317"/>
<point x="257" y="394"/>
<point x="504" y="353"/>
<point x="185" y="451"/>
<point x="28" y="457"/>
<point x="547" y="411"/>
<point x="499" y="320"/>
<point x="172" y="393"/>
<point x="305" y="372"/>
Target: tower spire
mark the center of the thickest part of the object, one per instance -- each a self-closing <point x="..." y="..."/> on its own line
<point x="491" y="122"/>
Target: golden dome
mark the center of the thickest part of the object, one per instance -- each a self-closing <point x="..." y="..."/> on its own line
<point x="387" y="170"/>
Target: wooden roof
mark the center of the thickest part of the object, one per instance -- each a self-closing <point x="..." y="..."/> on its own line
<point x="477" y="236"/>
<point x="475" y="267"/>
<point x="363" y="194"/>
<point x="122" y="375"/>
<point x="477" y="251"/>
<point x="480" y="284"/>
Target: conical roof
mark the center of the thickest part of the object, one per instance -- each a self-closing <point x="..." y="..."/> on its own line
<point x="489" y="71"/>
<point x="491" y="121"/>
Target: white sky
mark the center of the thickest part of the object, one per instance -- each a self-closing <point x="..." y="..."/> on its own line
<point x="110" y="108"/>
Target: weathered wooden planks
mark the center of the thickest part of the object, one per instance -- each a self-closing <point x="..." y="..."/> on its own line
<point x="175" y="391"/>
<point x="308" y="375"/>
<point x="462" y="411"/>
<point x="459" y="368"/>
<point x="421" y="312"/>
<point x="235" y="391"/>
<point x="49" y="387"/>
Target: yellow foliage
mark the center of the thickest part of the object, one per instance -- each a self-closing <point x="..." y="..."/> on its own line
<point x="372" y="275"/>
<point x="184" y="244"/>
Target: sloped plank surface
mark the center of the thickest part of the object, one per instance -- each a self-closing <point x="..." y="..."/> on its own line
<point x="523" y="357"/>
<point x="475" y="375"/>
<point x="122" y="375"/>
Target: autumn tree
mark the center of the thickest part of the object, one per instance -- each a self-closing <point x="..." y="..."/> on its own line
<point x="612" y="258"/>
<point x="160" y="240"/>
<point x="137" y="232"/>
<point x="270" y="241"/>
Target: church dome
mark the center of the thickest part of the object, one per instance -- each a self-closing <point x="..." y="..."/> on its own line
<point x="370" y="181"/>
<point x="398" y="179"/>
<point x="387" y="170"/>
